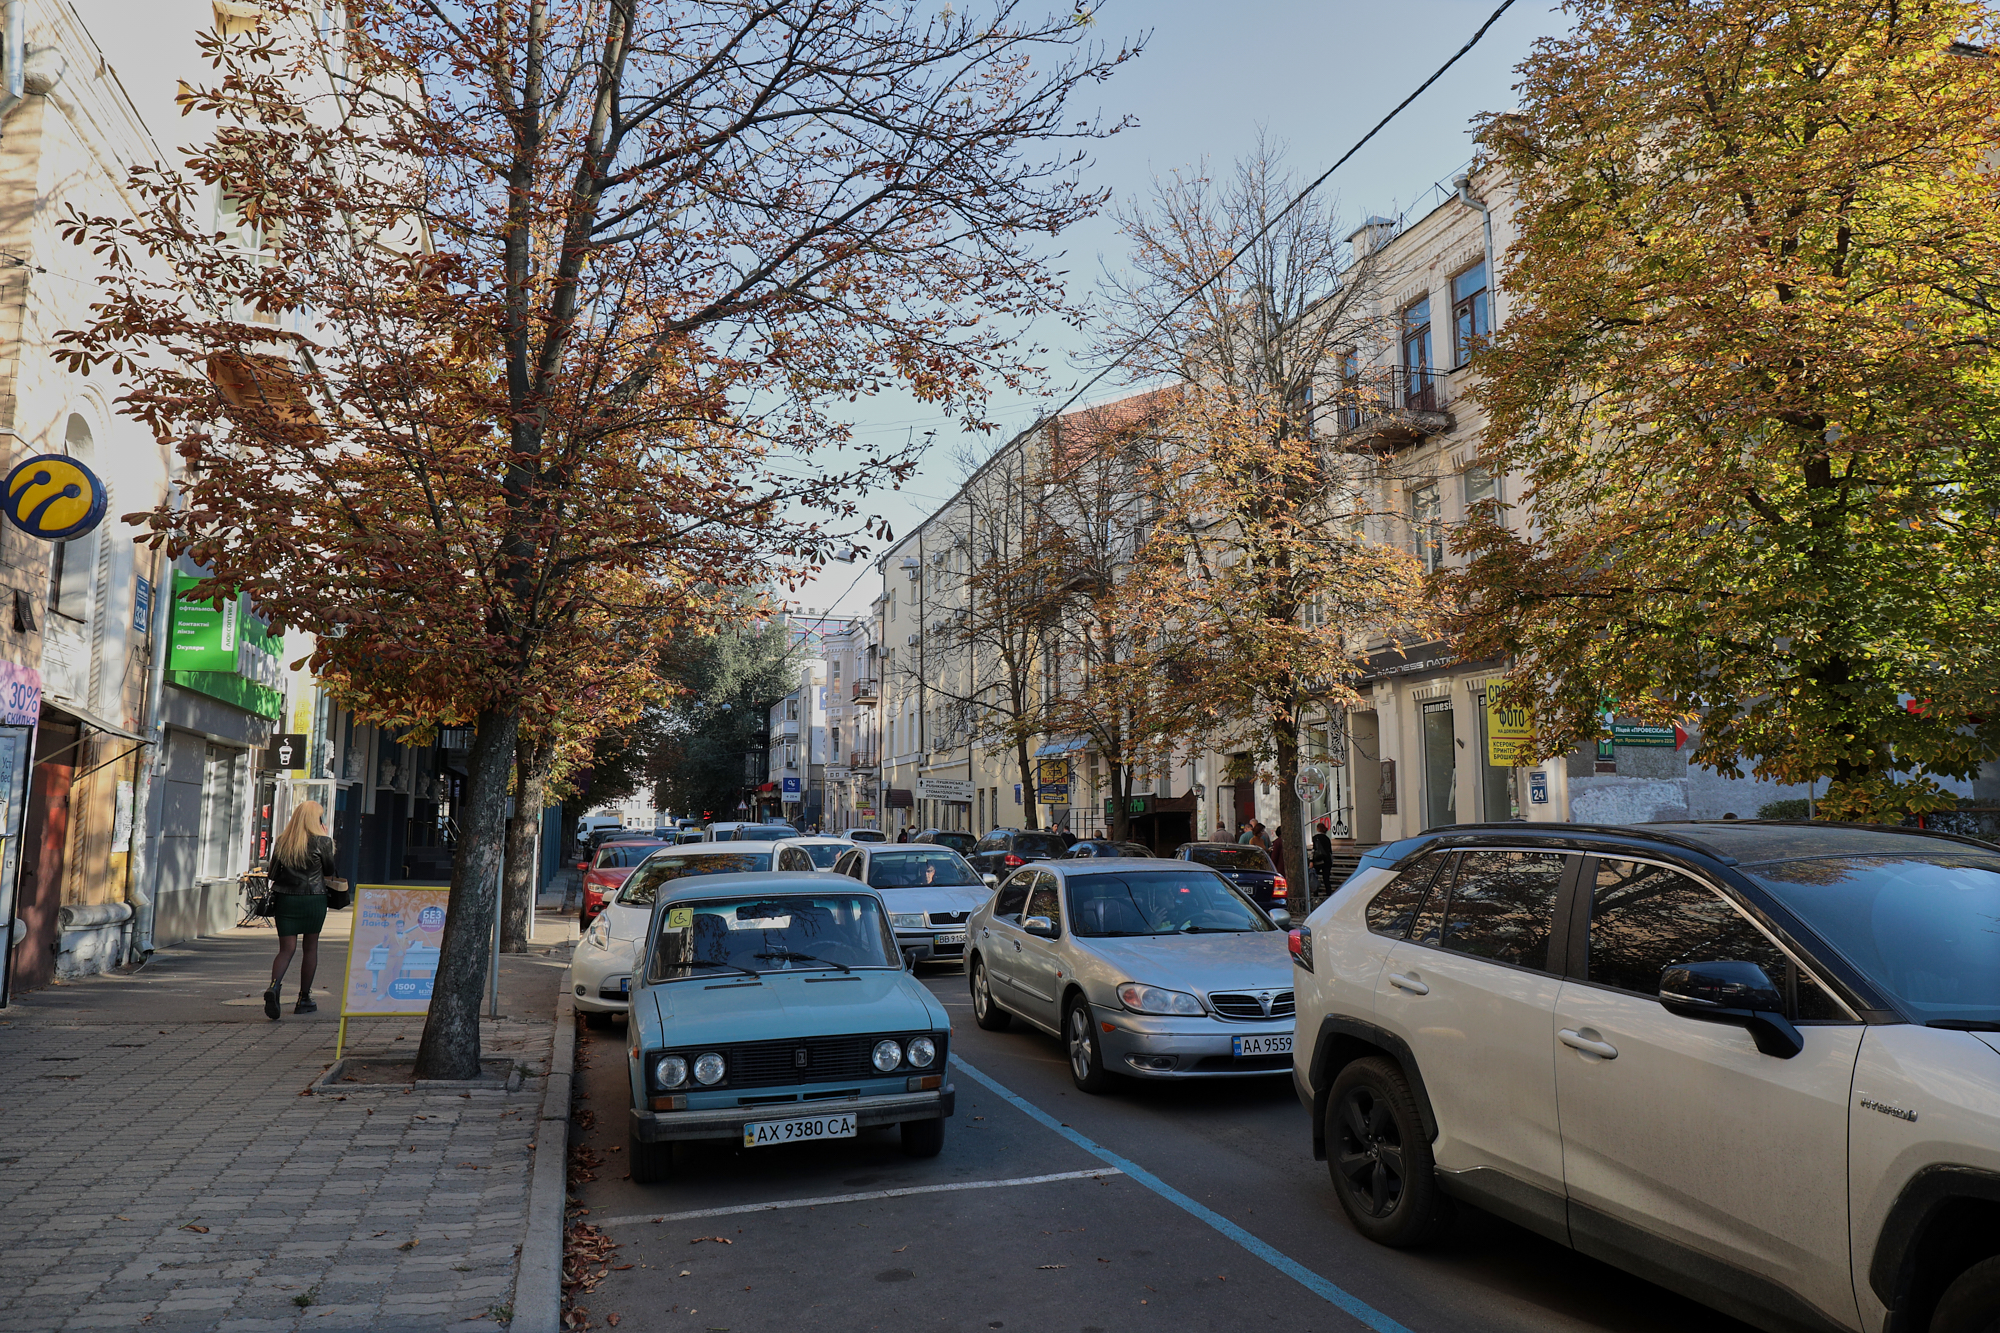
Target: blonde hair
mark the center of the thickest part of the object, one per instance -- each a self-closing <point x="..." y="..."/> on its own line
<point x="294" y="845"/>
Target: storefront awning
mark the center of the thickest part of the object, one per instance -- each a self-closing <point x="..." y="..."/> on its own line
<point x="769" y="786"/>
<point x="1068" y="745"/>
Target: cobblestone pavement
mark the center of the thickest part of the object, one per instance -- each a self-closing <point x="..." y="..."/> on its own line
<point x="164" y="1174"/>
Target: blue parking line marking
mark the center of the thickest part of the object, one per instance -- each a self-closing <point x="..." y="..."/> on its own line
<point x="1291" y="1268"/>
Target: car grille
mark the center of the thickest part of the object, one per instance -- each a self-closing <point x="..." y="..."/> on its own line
<point x="946" y="918"/>
<point x="774" y="1064"/>
<point x="1236" y="1004"/>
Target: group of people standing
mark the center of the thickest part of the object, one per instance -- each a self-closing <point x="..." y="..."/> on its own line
<point x="1255" y="834"/>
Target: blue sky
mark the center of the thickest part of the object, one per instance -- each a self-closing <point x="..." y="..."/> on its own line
<point x="1314" y="76"/>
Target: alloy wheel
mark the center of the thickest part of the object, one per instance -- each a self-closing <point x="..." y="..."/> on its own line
<point x="981" y="1001"/>
<point x="1079" y="1042"/>
<point x="1370" y="1152"/>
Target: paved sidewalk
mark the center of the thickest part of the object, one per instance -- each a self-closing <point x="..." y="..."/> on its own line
<point x="163" y="1166"/>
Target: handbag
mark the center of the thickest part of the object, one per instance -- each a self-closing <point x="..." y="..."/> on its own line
<point x="338" y="895"/>
<point x="265" y="901"/>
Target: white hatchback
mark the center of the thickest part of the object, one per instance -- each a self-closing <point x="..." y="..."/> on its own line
<point x="600" y="970"/>
<point x="1756" y="1063"/>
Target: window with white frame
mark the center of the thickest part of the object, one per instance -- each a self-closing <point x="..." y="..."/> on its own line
<point x="1427" y="526"/>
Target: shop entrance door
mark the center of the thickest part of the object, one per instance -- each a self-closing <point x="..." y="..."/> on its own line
<point x="46" y="834"/>
<point x="1440" y="766"/>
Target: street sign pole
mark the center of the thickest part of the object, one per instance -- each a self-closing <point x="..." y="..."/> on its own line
<point x="499" y="887"/>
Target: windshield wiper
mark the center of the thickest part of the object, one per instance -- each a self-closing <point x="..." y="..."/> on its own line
<point x="746" y="971"/>
<point x="1966" y="1024"/>
<point x="788" y="956"/>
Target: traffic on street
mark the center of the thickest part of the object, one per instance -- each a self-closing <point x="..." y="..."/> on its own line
<point x="1171" y="1206"/>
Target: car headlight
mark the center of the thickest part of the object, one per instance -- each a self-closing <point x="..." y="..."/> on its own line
<point x="709" y="1069"/>
<point x="922" y="1051"/>
<point x="907" y="920"/>
<point x="599" y="934"/>
<point x="670" y="1071"/>
<point x="1157" y="1000"/>
<point x="888" y="1055"/>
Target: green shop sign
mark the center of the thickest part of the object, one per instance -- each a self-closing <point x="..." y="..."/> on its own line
<point x="1634" y="733"/>
<point x="221" y="650"/>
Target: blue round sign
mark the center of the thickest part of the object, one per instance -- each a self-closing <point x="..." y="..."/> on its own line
<point x="54" y="497"/>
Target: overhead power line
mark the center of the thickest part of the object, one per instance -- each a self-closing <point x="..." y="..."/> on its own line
<point x="1298" y="199"/>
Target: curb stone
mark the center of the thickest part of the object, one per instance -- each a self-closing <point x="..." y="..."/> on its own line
<point x="538" y="1284"/>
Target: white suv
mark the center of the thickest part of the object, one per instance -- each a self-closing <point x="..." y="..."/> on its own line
<point x="1756" y="1063"/>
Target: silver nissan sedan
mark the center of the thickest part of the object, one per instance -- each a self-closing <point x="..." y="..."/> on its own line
<point x="1143" y="967"/>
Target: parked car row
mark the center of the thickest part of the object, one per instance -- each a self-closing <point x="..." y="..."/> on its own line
<point x="1756" y="1063"/>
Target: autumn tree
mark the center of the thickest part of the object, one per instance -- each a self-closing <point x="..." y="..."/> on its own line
<point x="1749" y="375"/>
<point x="990" y="611"/>
<point x="1246" y="307"/>
<point x="1115" y="672"/>
<point x="508" y="296"/>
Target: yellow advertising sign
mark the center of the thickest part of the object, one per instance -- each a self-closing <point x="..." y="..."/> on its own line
<point x="392" y="953"/>
<point x="1509" y="739"/>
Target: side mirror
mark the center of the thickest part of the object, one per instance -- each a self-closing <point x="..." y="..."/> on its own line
<point x="1280" y="918"/>
<point x="1733" y="992"/>
<point x="990" y="881"/>
<point x="1040" y="925"/>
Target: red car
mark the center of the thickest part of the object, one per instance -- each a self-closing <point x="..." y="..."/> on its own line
<point x="607" y="870"/>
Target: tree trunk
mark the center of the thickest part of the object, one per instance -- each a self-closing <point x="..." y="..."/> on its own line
<point x="1029" y="794"/>
<point x="532" y="761"/>
<point x="450" y="1045"/>
<point x="1120" y="828"/>
<point x="1292" y="814"/>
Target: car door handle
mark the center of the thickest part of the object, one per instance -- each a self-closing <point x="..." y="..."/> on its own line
<point x="1410" y="984"/>
<point x="1576" y="1041"/>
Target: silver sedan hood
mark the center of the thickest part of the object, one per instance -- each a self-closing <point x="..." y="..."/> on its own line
<point x="1245" y="960"/>
<point x="936" y="898"/>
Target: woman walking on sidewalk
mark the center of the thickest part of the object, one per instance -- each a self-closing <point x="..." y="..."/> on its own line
<point x="300" y="862"/>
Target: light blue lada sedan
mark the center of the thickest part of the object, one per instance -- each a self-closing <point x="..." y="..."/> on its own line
<point x="774" y="1009"/>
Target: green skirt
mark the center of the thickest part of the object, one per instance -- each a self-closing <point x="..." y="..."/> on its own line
<point x="300" y="913"/>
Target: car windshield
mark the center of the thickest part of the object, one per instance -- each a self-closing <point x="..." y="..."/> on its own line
<point x="1231" y="858"/>
<point x="789" y="933"/>
<point x="958" y="842"/>
<point x="823" y="854"/>
<point x="625" y="855"/>
<point x="1924" y="928"/>
<point x="910" y="869"/>
<point x="1158" y="902"/>
<point x="1040" y="844"/>
<point x="642" y="884"/>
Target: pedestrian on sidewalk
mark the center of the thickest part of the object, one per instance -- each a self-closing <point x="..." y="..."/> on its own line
<point x="300" y="862"/>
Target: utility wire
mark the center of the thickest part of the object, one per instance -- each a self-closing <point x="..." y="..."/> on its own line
<point x="1260" y="233"/>
<point x="1297" y="199"/>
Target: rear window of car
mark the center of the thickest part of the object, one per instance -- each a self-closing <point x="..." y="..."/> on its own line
<point x="1924" y="928"/>
<point x="643" y="884"/>
<point x="958" y="842"/>
<point x="1039" y="844"/>
<point x="912" y="869"/>
<point x="824" y="854"/>
<point x="625" y="855"/>
<point x="1231" y="858"/>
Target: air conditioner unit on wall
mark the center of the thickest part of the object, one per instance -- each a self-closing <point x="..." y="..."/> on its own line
<point x="914" y="640"/>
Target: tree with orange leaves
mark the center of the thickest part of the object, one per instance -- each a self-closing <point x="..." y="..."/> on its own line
<point x="1750" y="379"/>
<point x="509" y="297"/>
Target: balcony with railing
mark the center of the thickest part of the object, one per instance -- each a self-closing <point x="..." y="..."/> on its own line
<point x="1389" y="407"/>
<point x="857" y="760"/>
<point x="866" y="692"/>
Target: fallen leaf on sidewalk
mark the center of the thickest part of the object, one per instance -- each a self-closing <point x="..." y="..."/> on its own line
<point x="407" y="1245"/>
<point x="611" y="1319"/>
<point x="619" y="1268"/>
<point x="472" y="1165"/>
<point x="719" y="1240"/>
<point x="120" y="1217"/>
<point x="192" y="1227"/>
<point x="379" y="1233"/>
<point x="899" y="1249"/>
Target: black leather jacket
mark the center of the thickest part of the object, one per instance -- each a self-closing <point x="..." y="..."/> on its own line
<point x="309" y="879"/>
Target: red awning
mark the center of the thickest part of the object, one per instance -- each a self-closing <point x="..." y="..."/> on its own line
<point x="769" y="786"/>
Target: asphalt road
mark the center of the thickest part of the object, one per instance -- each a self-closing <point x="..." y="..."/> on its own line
<point x="1226" y="1224"/>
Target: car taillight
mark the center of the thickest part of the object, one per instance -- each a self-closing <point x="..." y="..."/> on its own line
<point x="1300" y="942"/>
<point x="1012" y="860"/>
<point x="1278" y="889"/>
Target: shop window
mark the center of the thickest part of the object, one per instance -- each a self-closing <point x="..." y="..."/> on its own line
<point x="1440" y="765"/>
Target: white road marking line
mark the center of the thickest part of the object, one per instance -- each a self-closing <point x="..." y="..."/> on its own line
<point x="856" y="1198"/>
